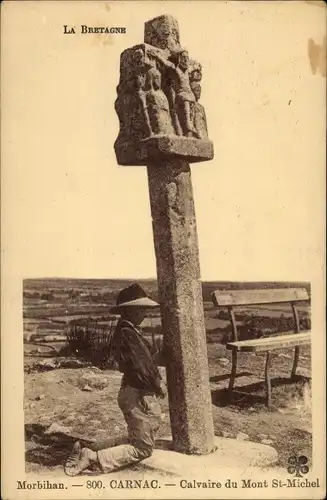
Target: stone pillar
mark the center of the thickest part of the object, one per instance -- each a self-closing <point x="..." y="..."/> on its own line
<point x="180" y="291"/>
<point x="163" y="127"/>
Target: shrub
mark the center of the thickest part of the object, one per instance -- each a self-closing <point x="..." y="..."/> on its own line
<point x="92" y="342"/>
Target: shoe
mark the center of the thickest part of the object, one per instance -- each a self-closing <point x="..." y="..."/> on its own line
<point x="78" y="460"/>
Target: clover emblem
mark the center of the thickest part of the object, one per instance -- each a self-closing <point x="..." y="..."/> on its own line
<point x="298" y="465"/>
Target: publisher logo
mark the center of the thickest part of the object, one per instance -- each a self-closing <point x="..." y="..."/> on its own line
<point x="298" y="465"/>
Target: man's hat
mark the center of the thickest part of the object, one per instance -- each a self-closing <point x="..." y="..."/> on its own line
<point x="133" y="295"/>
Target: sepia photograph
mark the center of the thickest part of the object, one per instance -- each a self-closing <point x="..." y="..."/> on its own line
<point x="163" y="324"/>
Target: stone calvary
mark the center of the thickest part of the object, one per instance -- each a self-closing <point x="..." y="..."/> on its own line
<point x="158" y="97"/>
<point x="163" y="127"/>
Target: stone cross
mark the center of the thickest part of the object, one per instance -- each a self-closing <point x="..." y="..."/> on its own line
<point x="163" y="126"/>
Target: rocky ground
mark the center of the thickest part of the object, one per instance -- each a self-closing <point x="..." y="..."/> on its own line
<point x="63" y="403"/>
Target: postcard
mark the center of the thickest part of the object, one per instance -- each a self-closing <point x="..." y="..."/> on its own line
<point x="163" y="249"/>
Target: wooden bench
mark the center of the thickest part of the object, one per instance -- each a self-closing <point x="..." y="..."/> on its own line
<point x="231" y="299"/>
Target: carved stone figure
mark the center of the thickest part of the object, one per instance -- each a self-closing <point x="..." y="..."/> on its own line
<point x="183" y="95"/>
<point x="131" y="104"/>
<point x="157" y="105"/>
<point x="195" y="72"/>
<point x="199" y="115"/>
<point x="143" y="119"/>
<point x="123" y="104"/>
<point x="139" y="112"/>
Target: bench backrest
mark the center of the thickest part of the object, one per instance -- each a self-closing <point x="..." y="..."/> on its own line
<point x="227" y="298"/>
<point x="233" y="298"/>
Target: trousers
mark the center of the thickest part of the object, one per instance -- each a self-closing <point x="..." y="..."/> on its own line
<point x="142" y="413"/>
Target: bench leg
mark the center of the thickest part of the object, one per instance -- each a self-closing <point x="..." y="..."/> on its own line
<point x="267" y="379"/>
<point x="233" y="373"/>
<point x="296" y="360"/>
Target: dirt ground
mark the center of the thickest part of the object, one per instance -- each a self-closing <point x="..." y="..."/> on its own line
<point x="57" y="397"/>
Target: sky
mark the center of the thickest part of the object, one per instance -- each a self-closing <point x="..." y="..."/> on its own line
<point x="70" y="211"/>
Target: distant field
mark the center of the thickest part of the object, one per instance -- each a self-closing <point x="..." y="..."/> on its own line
<point x="114" y="285"/>
<point x="50" y="303"/>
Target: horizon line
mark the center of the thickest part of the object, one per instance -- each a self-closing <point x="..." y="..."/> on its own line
<point x="156" y="279"/>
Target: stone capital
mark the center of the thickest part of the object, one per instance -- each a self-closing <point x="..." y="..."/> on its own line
<point x="164" y="148"/>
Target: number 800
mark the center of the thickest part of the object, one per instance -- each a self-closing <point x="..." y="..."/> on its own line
<point x="94" y="484"/>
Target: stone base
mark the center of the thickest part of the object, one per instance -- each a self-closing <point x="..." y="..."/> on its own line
<point x="163" y="148"/>
<point x="231" y="454"/>
<point x="236" y="459"/>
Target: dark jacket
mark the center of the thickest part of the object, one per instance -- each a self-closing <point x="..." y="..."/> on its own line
<point x="133" y="355"/>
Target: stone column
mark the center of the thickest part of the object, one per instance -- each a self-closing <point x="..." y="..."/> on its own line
<point x="163" y="127"/>
<point x="176" y="248"/>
